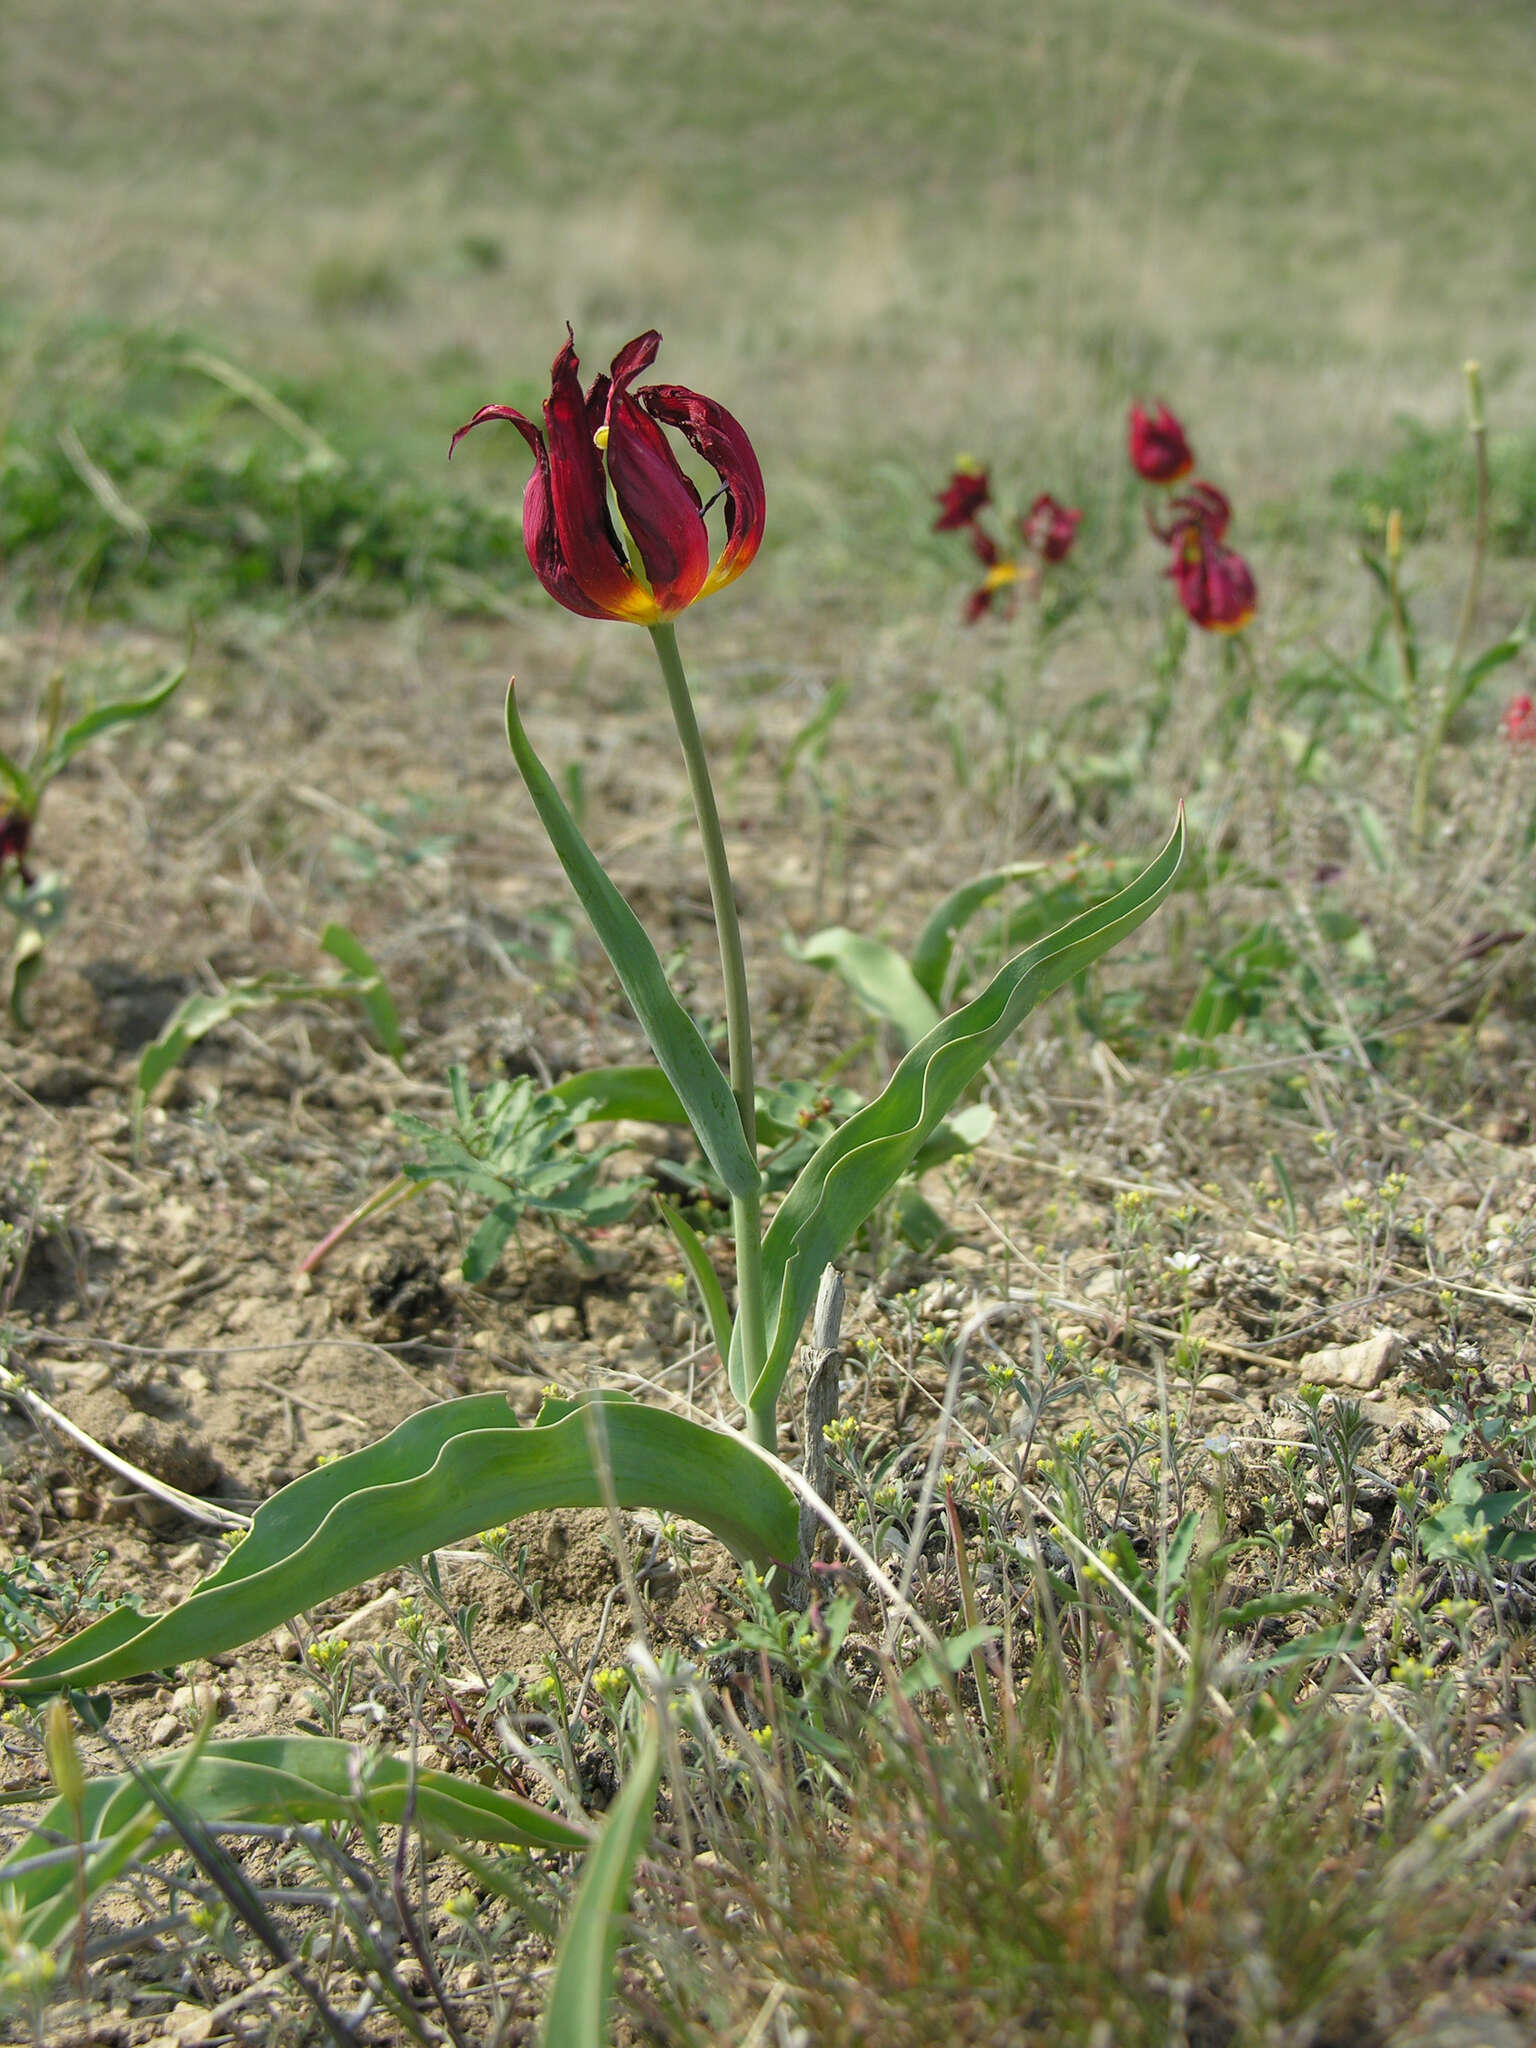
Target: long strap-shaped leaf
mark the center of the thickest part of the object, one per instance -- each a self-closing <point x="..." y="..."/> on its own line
<point x="844" y="1180"/>
<point x="675" y="1039"/>
<point x="276" y="1779"/>
<point x="576" y="2016"/>
<point x="442" y="1476"/>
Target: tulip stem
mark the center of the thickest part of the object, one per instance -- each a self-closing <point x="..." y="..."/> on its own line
<point x="746" y="1210"/>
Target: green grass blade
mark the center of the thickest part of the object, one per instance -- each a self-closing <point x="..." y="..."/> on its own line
<point x="372" y="992"/>
<point x="125" y="711"/>
<point x="936" y="941"/>
<point x="878" y="976"/>
<point x="705" y="1278"/>
<point x="577" y="2014"/>
<point x="672" y="1034"/>
<point x="863" y="1160"/>
<point x="440" y="1478"/>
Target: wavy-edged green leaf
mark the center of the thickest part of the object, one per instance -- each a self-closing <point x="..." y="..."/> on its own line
<point x="372" y="991"/>
<point x="936" y="941"/>
<point x="123" y="711"/>
<point x="671" y="1033"/>
<point x="577" y="2013"/>
<point x="878" y="977"/>
<point x="275" y="1779"/>
<point x="862" y="1161"/>
<point x="444" y="1475"/>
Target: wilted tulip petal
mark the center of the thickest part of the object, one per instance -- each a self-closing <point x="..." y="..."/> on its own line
<point x="1050" y="528"/>
<point x="612" y="437"/>
<point x="1158" y="450"/>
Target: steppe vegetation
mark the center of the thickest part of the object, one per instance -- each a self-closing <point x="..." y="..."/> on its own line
<point x="1166" y="1676"/>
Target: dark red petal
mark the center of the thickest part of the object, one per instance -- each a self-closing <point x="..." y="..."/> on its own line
<point x="520" y="420"/>
<point x="978" y="603"/>
<point x="657" y="502"/>
<point x="722" y="441"/>
<point x="1050" y="528"/>
<point x="579" y="498"/>
<point x="1204" y="506"/>
<point x="542" y="542"/>
<point x="540" y="539"/>
<point x="635" y="356"/>
<point x="983" y="546"/>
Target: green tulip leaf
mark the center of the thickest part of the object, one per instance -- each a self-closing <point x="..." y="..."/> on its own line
<point x="671" y="1033"/>
<point x="877" y="975"/>
<point x="444" y="1475"/>
<point x="857" y="1166"/>
<point x="577" y="2013"/>
<point x="936" y="941"/>
<point x="274" y="1779"/>
<point x="369" y="987"/>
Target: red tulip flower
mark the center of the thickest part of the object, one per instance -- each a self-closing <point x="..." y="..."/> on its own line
<point x="961" y="498"/>
<point x="1214" y="583"/>
<point x="1159" y="452"/>
<point x="1050" y="529"/>
<point x="1519" y="722"/>
<point x="612" y="438"/>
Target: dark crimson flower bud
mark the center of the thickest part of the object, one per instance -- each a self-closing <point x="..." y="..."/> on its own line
<point x="15" y="836"/>
<point x="1159" y="452"/>
<point x="962" y="497"/>
<point x="612" y="437"/>
<point x="1049" y="528"/>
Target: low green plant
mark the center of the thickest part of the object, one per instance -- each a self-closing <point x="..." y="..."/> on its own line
<point x="512" y="1146"/>
<point x="142" y="470"/>
<point x="197" y="1015"/>
<point x="1420" y="691"/>
<point x="37" y="901"/>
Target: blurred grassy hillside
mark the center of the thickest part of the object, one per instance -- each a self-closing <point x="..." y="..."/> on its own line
<point x="881" y="233"/>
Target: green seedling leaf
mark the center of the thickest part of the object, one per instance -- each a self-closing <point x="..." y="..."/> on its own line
<point x="26" y="964"/>
<point x="877" y="975"/>
<point x="20" y="784"/>
<point x="643" y="1094"/>
<point x="854" y="1169"/>
<point x="274" y="1780"/>
<point x="1493" y="658"/>
<point x="441" y="1477"/>
<point x="671" y="1033"/>
<point x="936" y="941"/>
<point x="125" y="711"/>
<point x="1341" y="1641"/>
<point x="1181" y="1546"/>
<point x="345" y="947"/>
<point x="577" y="2013"/>
<point x="705" y="1278"/>
<point x="931" y="1672"/>
<point x="1266" y="1605"/>
<point x="917" y="1223"/>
